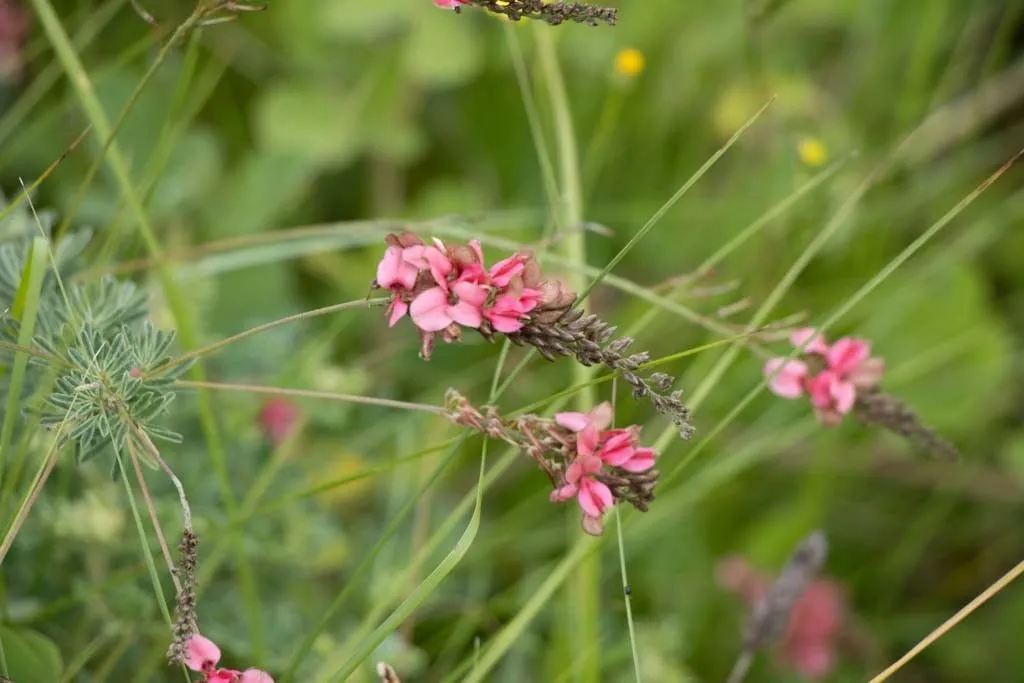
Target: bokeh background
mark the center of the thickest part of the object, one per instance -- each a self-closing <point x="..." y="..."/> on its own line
<point x="354" y="117"/>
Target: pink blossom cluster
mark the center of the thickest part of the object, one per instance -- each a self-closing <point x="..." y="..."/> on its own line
<point x="202" y="655"/>
<point x="597" y="447"/>
<point x="830" y="375"/>
<point x="815" y="623"/>
<point x="445" y="288"/>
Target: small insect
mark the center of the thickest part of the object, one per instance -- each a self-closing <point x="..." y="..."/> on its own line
<point x="627" y="589"/>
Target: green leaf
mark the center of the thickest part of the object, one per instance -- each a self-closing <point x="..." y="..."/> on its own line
<point x="310" y="121"/>
<point x="25" y="308"/>
<point x="31" y="656"/>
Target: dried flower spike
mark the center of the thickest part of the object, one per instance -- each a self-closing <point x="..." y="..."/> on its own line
<point x="553" y="13"/>
<point x="584" y="459"/>
<point x="185" y="619"/>
<point x="445" y="288"/>
<point x="842" y="378"/>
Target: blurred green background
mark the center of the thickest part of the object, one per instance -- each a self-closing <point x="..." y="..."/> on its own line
<point x="359" y="116"/>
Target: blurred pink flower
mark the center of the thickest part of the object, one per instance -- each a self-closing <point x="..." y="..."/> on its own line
<point x="815" y="623"/>
<point x="598" y="418"/>
<point x="845" y="367"/>
<point x="202" y="655"/>
<point x="449" y="4"/>
<point x="277" y="418"/>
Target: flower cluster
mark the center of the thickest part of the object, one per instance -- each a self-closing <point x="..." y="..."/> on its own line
<point x="830" y="375"/>
<point x="553" y="13"/>
<point x="446" y="287"/>
<point x="806" y="613"/>
<point x="203" y="655"/>
<point x="583" y="458"/>
<point x="843" y="377"/>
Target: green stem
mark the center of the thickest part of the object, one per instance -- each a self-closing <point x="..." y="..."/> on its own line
<point x="584" y="593"/>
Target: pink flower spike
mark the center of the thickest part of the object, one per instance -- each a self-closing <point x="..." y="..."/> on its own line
<point x="594" y="497"/>
<point x="201" y="654"/>
<point x="429" y="310"/>
<point x="846" y="354"/>
<point x="808" y="335"/>
<point x="641" y="460"/>
<point x="789" y="377"/>
<point x="255" y="676"/>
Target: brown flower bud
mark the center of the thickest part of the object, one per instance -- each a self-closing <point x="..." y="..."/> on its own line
<point x="403" y="239"/>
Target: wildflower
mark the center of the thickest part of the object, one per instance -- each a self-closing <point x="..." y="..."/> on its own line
<point x="449" y="4"/>
<point x="277" y="418"/>
<point x="812" y="152"/>
<point x="844" y="368"/>
<point x="844" y="378"/>
<point x="203" y="656"/>
<point x="629" y="62"/>
<point x="805" y="612"/>
<point x="585" y="461"/>
<point x="445" y="288"/>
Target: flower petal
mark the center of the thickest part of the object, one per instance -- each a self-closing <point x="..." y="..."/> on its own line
<point x="398" y="310"/>
<point x="564" y="493"/>
<point x="503" y="271"/>
<point x="201" y="653"/>
<point x="255" y="676"/>
<point x="594" y="497"/>
<point x="601" y="415"/>
<point x="642" y="460"/>
<point x="868" y="374"/>
<point x="618" y="446"/>
<point x="504" y="323"/>
<point x="846" y="354"/>
<point x="843" y="394"/>
<point x="429" y="310"/>
<point x="593" y="526"/>
<point x="465" y="313"/>
<point x="440" y="265"/>
<point x="388" y="268"/>
<point x="574" y="422"/>
<point x="815" y="343"/>
<point x="820" y="389"/>
<point x="789" y="377"/>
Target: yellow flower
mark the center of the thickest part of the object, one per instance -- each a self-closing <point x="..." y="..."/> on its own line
<point x="629" y="62"/>
<point x="812" y="152"/>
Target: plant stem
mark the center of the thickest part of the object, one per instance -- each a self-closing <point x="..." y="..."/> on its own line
<point x="584" y="594"/>
<point x="305" y="393"/>
<point x="305" y="315"/>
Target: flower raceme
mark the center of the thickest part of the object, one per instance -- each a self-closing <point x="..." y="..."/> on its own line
<point x="830" y="375"/>
<point x="584" y="459"/>
<point x="844" y="377"/>
<point x="445" y="288"/>
<point x="202" y="655"/>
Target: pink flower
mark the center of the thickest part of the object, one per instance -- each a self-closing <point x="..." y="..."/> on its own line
<point x="508" y="311"/>
<point x="277" y="417"/>
<point x="202" y="655"/>
<point x="598" y="418"/>
<point x="787" y="378"/>
<point x="437" y="308"/>
<point x="394" y="271"/>
<point x="593" y="496"/>
<point x="831" y="396"/>
<point x="621" y="448"/>
<point x="808" y="335"/>
<point x="502" y="272"/>
<point x="848" y="367"/>
<point x="815" y="623"/>
<point x="449" y="4"/>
